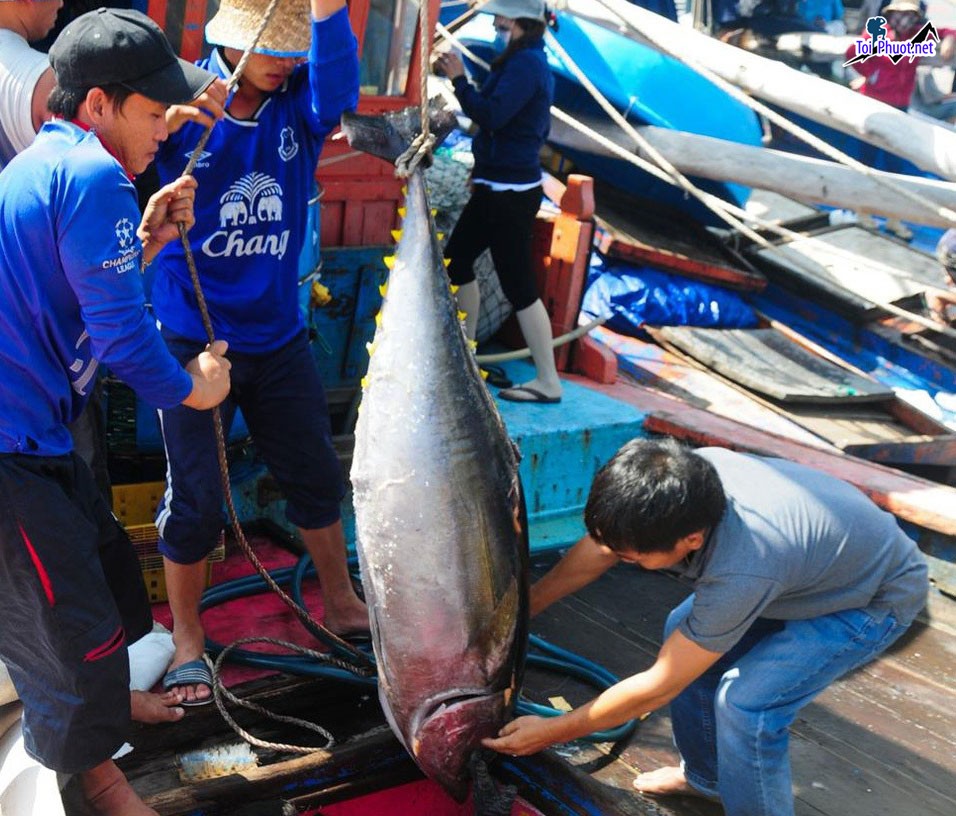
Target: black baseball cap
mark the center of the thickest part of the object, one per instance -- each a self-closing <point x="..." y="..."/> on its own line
<point x="124" y="47"/>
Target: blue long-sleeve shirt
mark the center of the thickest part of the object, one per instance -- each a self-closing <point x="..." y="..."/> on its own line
<point x="255" y="180"/>
<point x="70" y="291"/>
<point x="512" y="111"/>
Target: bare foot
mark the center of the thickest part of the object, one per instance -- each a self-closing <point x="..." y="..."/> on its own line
<point x="352" y="620"/>
<point x="109" y="794"/>
<point x="156" y="708"/>
<point x="669" y="781"/>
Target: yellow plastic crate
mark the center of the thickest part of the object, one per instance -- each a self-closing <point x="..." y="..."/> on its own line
<point x="135" y="507"/>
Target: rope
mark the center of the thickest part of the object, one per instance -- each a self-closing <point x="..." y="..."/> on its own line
<point x="221" y="694"/>
<point x="362" y="663"/>
<point x="421" y="147"/>
<point x="659" y="159"/>
<point x="713" y="202"/>
<point x="781" y="121"/>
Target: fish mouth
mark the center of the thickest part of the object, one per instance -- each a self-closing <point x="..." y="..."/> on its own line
<point x="448" y="728"/>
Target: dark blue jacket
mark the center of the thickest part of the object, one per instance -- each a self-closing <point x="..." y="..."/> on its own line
<point x="512" y="111"/>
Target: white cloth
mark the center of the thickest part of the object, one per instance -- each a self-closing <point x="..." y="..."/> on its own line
<point x="7" y="692"/>
<point x="20" y="69"/>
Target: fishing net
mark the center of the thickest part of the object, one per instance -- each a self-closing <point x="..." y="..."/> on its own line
<point x="448" y="192"/>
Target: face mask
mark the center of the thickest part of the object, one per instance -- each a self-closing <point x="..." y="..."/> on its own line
<point x="502" y="38"/>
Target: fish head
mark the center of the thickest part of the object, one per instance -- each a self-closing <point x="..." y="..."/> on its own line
<point x="448" y="730"/>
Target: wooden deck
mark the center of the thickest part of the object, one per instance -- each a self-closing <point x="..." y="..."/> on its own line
<point x="882" y="741"/>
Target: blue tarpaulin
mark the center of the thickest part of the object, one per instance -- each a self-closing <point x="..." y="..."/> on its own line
<point x="636" y="295"/>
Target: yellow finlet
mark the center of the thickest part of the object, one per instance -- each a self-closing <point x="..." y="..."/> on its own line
<point x="484" y="374"/>
<point x="378" y="319"/>
<point x="370" y="348"/>
<point x="402" y="211"/>
<point x="389" y="262"/>
<point x="397" y="235"/>
<point x="364" y="382"/>
<point x="404" y="189"/>
<point x="462" y="315"/>
<point x="473" y="345"/>
<point x="434" y="212"/>
<point x="453" y="288"/>
<point x="383" y="289"/>
<point x="319" y="295"/>
<point x="446" y="261"/>
<point x="441" y="236"/>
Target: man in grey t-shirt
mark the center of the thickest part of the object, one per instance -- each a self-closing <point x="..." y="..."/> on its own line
<point x="798" y="579"/>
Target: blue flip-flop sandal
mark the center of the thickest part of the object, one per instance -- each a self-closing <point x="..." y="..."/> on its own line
<point x="194" y="673"/>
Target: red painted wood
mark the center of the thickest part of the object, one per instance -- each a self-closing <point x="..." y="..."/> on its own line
<point x="412" y="799"/>
<point x="594" y="360"/>
<point x="194" y="27"/>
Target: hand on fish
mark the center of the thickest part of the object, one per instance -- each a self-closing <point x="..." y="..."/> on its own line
<point x="523" y="736"/>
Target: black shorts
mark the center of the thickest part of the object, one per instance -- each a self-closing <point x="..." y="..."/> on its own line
<point x="71" y="598"/>
<point x="504" y="223"/>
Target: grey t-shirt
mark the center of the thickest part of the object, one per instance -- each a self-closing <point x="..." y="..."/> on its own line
<point x="795" y="544"/>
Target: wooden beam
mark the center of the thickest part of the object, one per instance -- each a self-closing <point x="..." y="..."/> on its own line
<point x="921" y="502"/>
<point x="814" y="181"/>
<point x="929" y="146"/>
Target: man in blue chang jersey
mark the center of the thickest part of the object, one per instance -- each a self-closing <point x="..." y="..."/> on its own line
<point x="256" y="176"/>
<point x="72" y="244"/>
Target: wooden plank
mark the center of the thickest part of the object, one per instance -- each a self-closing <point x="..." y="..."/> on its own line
<point x="766" y="361"/>
<point x="916" y="500"/>
<point x="886" y="431"/>
<point x="651" y="365"/>
<point x="853" y="266"/>
<point x="675" y="244"/>
<point x="874" y="742"/>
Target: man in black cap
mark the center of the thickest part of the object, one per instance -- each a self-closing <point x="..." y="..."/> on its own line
<point x="72" y="244"/>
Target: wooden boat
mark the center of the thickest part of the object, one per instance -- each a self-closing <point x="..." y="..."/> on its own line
<point x="850" y="410"/>
<point x="920" y="374"/>
<point x="368" y="773"/>
<point x="867" y="278"/>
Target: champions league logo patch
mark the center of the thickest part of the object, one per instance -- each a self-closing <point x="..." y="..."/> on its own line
<point x="125" y="233"/>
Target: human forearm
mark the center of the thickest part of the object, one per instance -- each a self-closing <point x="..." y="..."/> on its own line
<point x="585" y="562"/>
<point x="680" y="661"/>
<point x="325" y="8"/>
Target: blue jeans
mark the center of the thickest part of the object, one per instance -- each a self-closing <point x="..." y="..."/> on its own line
<point x="731" y="725"/>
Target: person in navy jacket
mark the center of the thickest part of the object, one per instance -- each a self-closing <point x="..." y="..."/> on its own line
<point x="512" y="112"/>
<point x="72" y="245"/>
<point x="256" y="176"/>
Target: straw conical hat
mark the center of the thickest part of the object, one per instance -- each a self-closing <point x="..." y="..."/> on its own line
<point x="288" y="34"/>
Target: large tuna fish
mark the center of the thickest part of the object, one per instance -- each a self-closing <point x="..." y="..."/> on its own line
<point x="441" y="537"/>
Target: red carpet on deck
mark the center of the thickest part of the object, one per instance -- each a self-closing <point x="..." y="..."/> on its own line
<point x="263" y="615"/>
